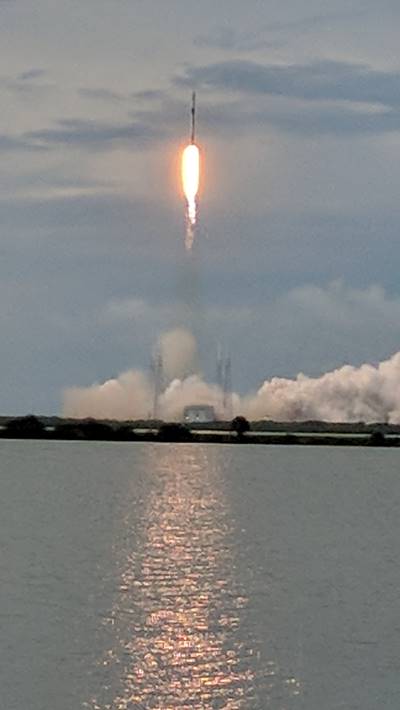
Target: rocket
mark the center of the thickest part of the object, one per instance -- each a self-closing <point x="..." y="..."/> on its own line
<point x="190" y="171"/>
<point x="193" y="117"/>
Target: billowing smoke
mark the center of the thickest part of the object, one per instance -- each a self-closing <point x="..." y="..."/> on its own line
<point x="192" y="390"/>
<point x="366" y="393"/>
<point x="349" y="394"/>
<point x="127" y="397"/>
<point x="179" y="354"/>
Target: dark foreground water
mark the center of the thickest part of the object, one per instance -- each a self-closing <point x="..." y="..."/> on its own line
<point x="193" y="577"/>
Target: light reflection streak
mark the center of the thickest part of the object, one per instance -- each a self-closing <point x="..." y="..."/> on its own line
<point x="179" y="609"/>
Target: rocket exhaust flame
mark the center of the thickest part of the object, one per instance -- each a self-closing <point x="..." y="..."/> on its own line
<point x="191" y="179"/>
<point x="190" y="182"/>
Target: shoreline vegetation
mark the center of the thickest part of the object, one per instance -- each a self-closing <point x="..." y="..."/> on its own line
<point x="237" y="431"/>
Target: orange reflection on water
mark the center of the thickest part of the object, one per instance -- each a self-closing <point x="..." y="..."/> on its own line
<point x="179" y="609"/>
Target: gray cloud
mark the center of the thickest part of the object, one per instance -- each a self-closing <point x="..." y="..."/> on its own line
<point x="324" y="97"/>
<point x="229" y="40"/>
<point x="143" y="128"/>
<point x="297" y="117"/>
<point x="272" y="35"/>
<point x="318" y="20"/>
<point x="318" y="81"/>
<point x="95" y="134"/>
<point x="84" y="212"/>
<point x="31" y="74"/>
<point x="339" y="121"/>
<point x="102" y="94"/>
<point x="16" y="144"/>
<point x="109" y="96"/>
<point x="149" y="95"/>
<point x="287" y="110"/>
<point x="28" y="83"/>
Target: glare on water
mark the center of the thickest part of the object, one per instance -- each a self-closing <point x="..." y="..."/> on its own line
<point x="178" y="612"/>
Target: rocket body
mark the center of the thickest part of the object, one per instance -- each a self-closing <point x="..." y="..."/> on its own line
<point x="192" y="135"/>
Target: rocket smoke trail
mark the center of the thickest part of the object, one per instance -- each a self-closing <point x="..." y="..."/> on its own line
<point x="188" y="281"/>
<point x="190" y="170"/>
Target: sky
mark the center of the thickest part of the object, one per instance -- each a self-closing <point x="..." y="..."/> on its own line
<point x="295" y="260"/>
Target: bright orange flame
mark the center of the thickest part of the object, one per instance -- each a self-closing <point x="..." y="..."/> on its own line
<point x="190" y="182"/>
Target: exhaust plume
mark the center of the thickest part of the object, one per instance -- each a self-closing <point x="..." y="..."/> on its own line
<point x="190" y="183"/>
<point x="179" y="353"/>
<point x="367" y="393"/>
<point x="129" y="396"/>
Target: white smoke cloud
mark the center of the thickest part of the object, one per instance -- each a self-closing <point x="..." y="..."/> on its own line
<point x="179" y="353"/>
<point x="191" y="390"/>
<point x="367" y="393"/>
<point x="127" y="397"/>
<point x="349" y="394"/>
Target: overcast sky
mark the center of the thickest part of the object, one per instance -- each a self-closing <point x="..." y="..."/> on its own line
<point x="296" y="263"/>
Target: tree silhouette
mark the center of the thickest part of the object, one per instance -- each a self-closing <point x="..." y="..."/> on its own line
<point x="170" y="431"/>
<point x="240" y="426"/>
<point x="29" y="427"/>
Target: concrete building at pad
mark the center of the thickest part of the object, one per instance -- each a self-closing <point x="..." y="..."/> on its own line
<point x="199" y="413"/>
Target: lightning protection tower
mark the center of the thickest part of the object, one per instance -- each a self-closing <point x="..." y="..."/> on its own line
<point x="224" y="382"/>
<point x="157" y="368"/>
<point x="227" y="387"/>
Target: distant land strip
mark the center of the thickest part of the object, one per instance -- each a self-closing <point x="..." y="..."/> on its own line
<point x="238" y="431"/>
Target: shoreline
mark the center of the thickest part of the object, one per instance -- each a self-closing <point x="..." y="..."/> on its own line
<point x="214" y="438"/>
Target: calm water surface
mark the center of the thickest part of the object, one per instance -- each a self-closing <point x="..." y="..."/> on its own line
<point x="198" y="577"/>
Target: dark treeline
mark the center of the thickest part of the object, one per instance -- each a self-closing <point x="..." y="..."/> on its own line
<point x="239" y="430"/>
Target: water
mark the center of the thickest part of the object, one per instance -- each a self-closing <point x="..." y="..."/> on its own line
<point x="188" y="576"/>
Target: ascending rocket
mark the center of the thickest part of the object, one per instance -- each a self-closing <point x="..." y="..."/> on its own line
<point x="193" y="117"/>
<point x="190" y="178"/>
